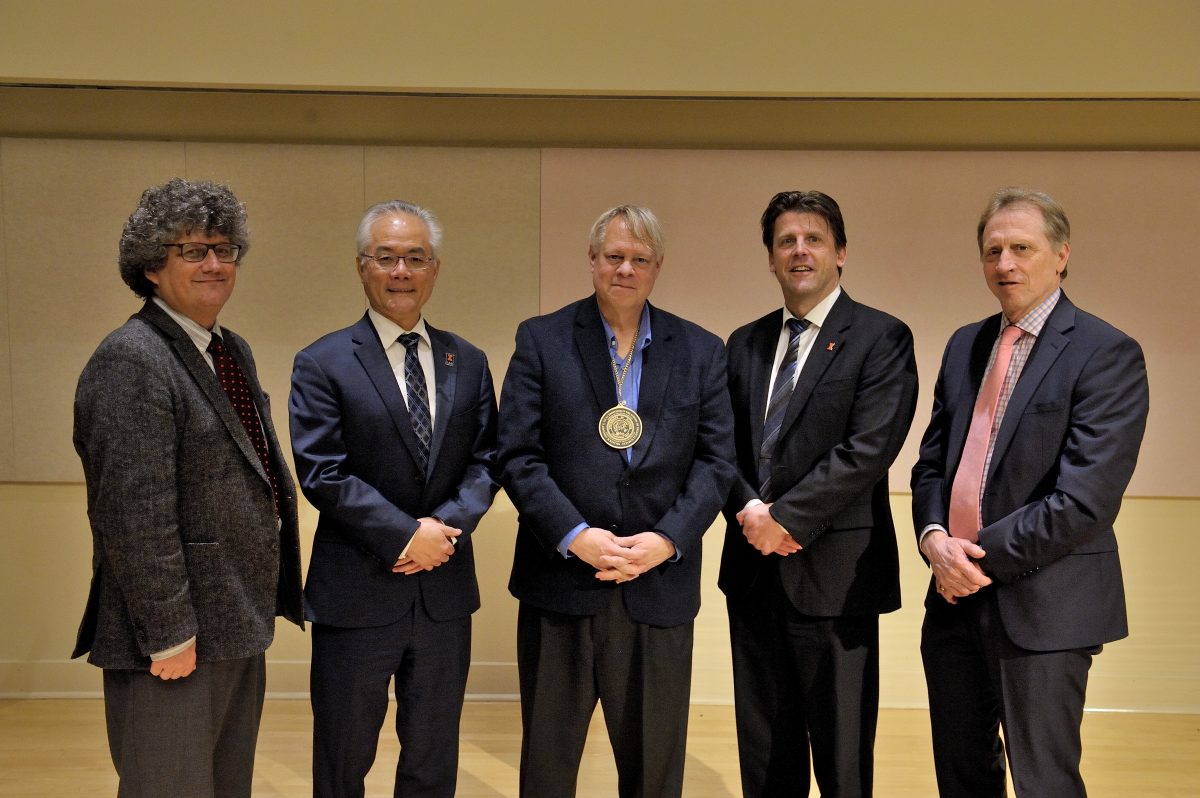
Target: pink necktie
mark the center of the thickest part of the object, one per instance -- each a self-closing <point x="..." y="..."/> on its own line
<point x="965" y="519"/>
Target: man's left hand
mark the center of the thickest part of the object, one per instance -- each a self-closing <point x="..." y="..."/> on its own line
<point x="764" y="533"/>
<point x="641" y="552"/>
<point x="432" y="544"/>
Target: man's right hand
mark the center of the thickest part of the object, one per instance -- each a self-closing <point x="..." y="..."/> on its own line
<point x="429" y="548"/>
<point x="953" y="563"/>
<point x="176" y="666"/>
<point x="600" y="549"/>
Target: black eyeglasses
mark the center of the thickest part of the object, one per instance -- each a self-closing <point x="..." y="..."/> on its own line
<point x="194" y="251"/>
<point x="387" y="261"/>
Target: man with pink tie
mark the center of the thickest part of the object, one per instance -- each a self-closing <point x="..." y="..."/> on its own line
<point x="1038" y="416"/>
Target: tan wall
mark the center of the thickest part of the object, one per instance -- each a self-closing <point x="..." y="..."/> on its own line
<point x="910" y="221"/>
<point x="724" y="75"/>
<point x="876" y="48"/>
<point x="516" y="223"/>
<point x="43" y="585"/>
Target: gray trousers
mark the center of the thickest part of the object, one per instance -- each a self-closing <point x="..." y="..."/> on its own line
<point x="187" y="738"/>
<point x="640" y="674"/>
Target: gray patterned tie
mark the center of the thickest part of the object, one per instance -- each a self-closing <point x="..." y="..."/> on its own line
<point x="418" y="397"/>
<point x="781" y="393"/>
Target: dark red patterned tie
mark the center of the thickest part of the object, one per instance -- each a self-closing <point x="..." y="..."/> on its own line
<point x="237" y="388"/>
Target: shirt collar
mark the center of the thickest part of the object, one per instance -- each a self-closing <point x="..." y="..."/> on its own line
<point x="816" y="317"/>
<point x="644" y="327"/>
<point x="1033" y="321"/>
<point x="388" y="330"/>
<point x="199" y="335"/>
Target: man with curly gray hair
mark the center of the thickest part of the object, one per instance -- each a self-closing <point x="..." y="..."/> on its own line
<point x="192" y="508"/>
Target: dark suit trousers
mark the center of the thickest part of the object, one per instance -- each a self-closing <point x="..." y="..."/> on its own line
<point x="351" y="669"/>
<point x="641" y="676"/>
<point x="192" y="737"/>
<point x="978" y="681"/>
<point x="802" y="682"/>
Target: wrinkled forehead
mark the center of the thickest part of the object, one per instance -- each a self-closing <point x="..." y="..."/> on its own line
<point x="1022" y="216"/>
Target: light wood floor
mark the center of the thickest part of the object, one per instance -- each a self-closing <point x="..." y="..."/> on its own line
<point x="58" y="748"/>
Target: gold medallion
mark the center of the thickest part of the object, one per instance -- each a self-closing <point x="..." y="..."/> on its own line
<point x="620" y="427"/>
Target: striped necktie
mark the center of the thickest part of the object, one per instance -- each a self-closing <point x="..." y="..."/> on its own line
<point x="781" y="393"/>
<point x="418" y="397"/>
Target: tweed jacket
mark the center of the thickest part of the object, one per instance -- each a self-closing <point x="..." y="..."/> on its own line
<point x="185" y="536"/>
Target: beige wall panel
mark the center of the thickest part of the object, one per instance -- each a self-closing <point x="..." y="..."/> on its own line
<point x="43" y="588"/>
<point x="910" y="221"/>
<point x="297" y="282"/>
<point x="488" y="203"/>
<point x="862" y="47"/>
<point x="65" y="203"/>
<point x="6" y="403"/>
<point x="44" y="578"/>
<point x="1157" y="667"/>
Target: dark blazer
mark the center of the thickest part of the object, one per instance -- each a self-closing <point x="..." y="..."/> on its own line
<point x="847" y="419"/>
<point x="185" y="537"/>
<point x="355" y="459"/>
<point x="559" y="473"/>
<point x="1063" y="456"/>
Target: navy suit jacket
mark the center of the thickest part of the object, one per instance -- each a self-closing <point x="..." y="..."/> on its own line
<point x="845" y="423"/>
<point x="1064" y="453"/>
<point x="559" y="473"/>
<point x="355" y="454"/>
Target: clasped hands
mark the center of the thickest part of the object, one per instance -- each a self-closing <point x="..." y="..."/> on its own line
<point x="952" y="561"/>
<point x="764" y="533"/>
<point x="620" y="559"/>
<point x="431" y="545"/>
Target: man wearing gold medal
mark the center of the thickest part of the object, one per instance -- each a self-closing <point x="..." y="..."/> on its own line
<point x="615" y="442"/>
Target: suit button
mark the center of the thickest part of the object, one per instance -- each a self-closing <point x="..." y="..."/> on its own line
<point x="625" y="483"/>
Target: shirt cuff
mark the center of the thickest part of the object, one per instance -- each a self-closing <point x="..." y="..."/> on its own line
<point x="564" y="545"/>
<point x="929" y="528"/>
<point x="678" y="554"/>
<point x="173" y="650"/>
<point x="404" y="553"/>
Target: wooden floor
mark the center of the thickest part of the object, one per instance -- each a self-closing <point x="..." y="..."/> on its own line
<point x="58" y="748"/>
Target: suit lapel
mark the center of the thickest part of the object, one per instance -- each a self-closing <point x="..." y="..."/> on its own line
<point x="968" y="391"/>
<point x="370" y="354"/>
<point x="593" y="353"/>
<point x="763" y="343"/>
<point x="658" y="361"/>
<point x="826" y="347"/>
<point x="1046" y="350"/>
<point x="185" y="349"/>
<point x="445" y="375"/>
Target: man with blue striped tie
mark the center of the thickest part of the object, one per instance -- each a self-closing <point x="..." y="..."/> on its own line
<point x="393" y="428"/>
<point x="823" y="393"/>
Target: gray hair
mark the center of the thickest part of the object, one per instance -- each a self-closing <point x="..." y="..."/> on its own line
<point x="178" y="207"/>
<point x="640" y="221"/>
<point x="398" y="208"/>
